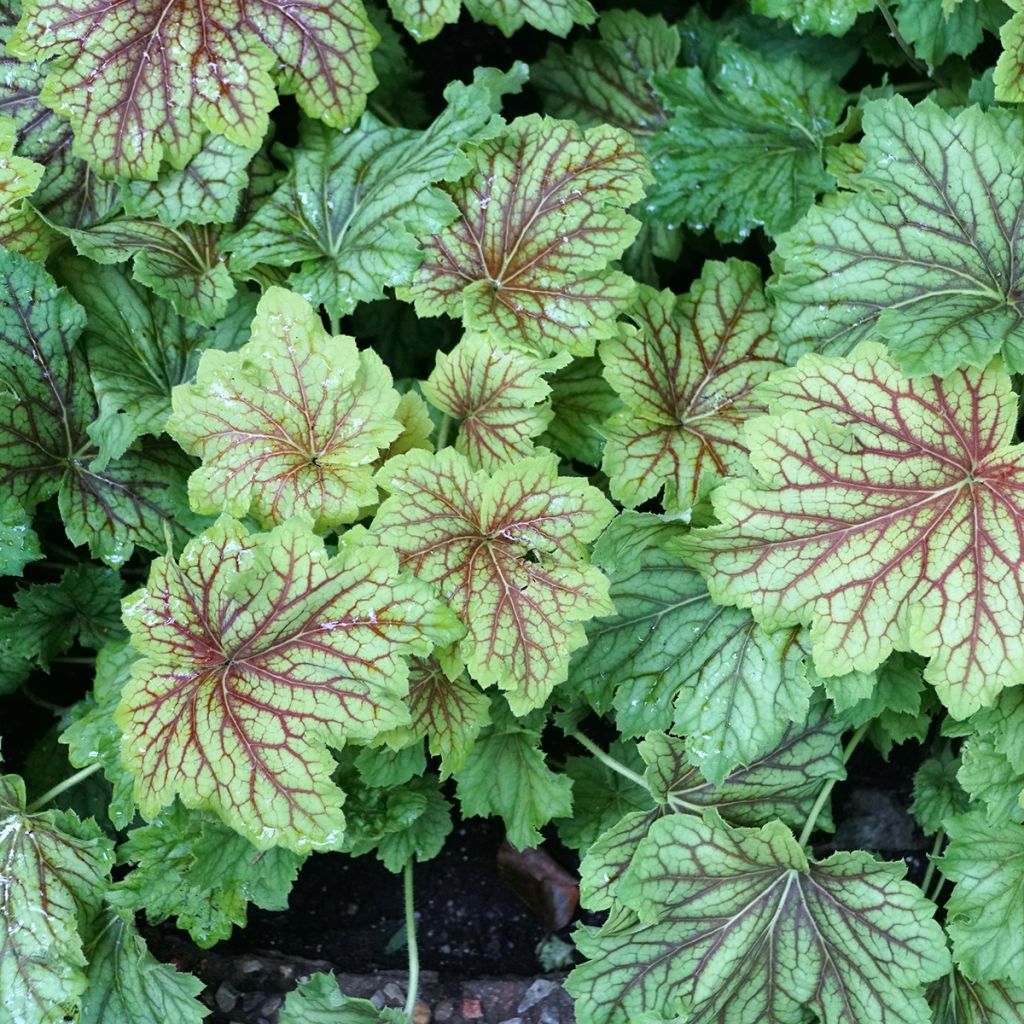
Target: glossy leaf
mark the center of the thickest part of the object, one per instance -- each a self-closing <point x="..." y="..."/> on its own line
<point x="21" y="228"/>
<point x="734" y="918"/>
<point x="142" y="81"/>
<point x="290" y="424"/>
<point x="819" y="16"/>
<point x="744" y="146"/>
<point x="907" y="537"/>
<point x="55" y="871"/>
<point x="318" y="1000"/>
<point x="498" y="397"/>
<point x="19" y="543"/>
<point x="258" y="651"/>
<point x="350" y="210"/>
<point x="911" y="257"/>
<point x="540" y="218"/>
<point x="506" y="551"/>
<point x="686" y="378"/>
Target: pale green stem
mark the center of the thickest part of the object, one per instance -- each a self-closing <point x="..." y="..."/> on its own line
<point x="443" y="431"/>
<point x="55" y="791"/>
<point x="826" y="790"/>
<point x="940" y="838"/>
<point x="335" y="325"/>
<point x="410" y="939"/>
<point x="607" y="759"/>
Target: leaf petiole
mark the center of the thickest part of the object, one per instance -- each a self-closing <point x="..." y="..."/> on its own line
<point x="826" y="790"/>
<point x="68" y="783"/>
<point x="410" y="938"/>
<point x="609" y="761"/>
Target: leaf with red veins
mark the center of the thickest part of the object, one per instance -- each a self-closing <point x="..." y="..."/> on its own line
<point x="500" y="397"/>
<point x="506" y="551"/>
<point x="257" y="653"/>
<point x="686" y="378"/>
<point x="541" y="216"/>
<point x="142" y="80"/>
<point x="290" y="424"/>
<point x="888" y="513"/>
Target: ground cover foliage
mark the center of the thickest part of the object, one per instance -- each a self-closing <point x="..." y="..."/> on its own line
<point x="607" y="441"/>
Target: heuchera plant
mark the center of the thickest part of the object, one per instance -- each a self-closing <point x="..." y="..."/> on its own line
<point x="609" y="442"/>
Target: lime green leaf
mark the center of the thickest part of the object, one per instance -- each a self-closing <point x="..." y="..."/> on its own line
<point x="907" y="538"/>
<point x="1009" y="73"/>
<point x="833" y="17"/>
<point x="21" y="228"/>
<point x="318" y="1000"/>
<point x="93" y="734"/>
<point x="290" y="424"/>
<point x="985" y="913"/>
<point x="956" y="999"/>
<point x="259" y="651"/>
<point x="744" y="147"/>
<point x="56" y="869"/>
<point x="507" y="552"/>
<point x="447" y="707"/>
<point x="739" y="918"/>
<point x="126" y="982"/>
<point x="46" y="408"/>
<point x="183" y="265"/>
<point x="937" y="794"/>
<point x="352" y="206"/>
<point x="217" y="69"/>
<point x="912" y="258"/>
<point x="499" y="397"/>
<point x="207" y="190"/>
<point x="686" y="378"/>
<point x="189" y="866"/>
<point x="581" y="400"/>
<point x="506" y="775"/>
<point x="541" y="215"/>
<point x="608" y="80"/>
<point x="19" y="544"/>
<point x="138" y="347"/>
<point x="424" y="19"/>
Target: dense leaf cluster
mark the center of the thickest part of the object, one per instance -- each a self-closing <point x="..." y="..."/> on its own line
<point x="609" y="443"/>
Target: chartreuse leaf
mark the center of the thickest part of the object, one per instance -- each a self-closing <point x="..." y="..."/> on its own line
<point x="498" y="397"/>
<point x="609" y="79"/>
<point x="1009" y="73"/>
<point x="833" y="17"/>
<point x="318" y="1000"/>
<point x="506" y="550"/>
<point x="985" y="913"/>
<point x="744" y="147"/>
<point x="911" y="257"/>
<point x="955" y="999"/>
<point x="686" y="378"/>
<point x="886" y="514"/>
<point x="138" y="347"/>
<point x="581" y="400"/>
<point x="142" y="82"/>
<point x="506" y="775"/>
<point x="127" y="983"/>
<point x="55" y="870"/>
<point x="541" y="215"/>
<point x="47" y="407"/>
<point x="21" y="228"/>
<point x="351" y="207"/>
<point x="290" y="424"/>
<point x="739" y="918"/>
<point x="424" y="19"/>
<point x="189" y="866"/>
<point x="19" y="544"/>
<point x="257" y="652"/>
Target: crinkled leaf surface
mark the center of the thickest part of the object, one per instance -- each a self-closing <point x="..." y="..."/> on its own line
<point x="925" y="255"/>
<point x="143" y="80"/>
<point x="938" y="30"/>
<point x="46" y="408"/>
<point x="506" y="551"/>
<point x="958" y="1000"/>
<point x="581" y="400"/>
<point x="507" y="775"/>
<point x="351" y="208"/>
<point x="744" y="146"/>
<point x="424" y="19"/>
<point x="886" y="514"/>
<point x="541" y="215"/>
<point x="257" y="652"/>
<point x="290" y="424"/>
<point x="19" y="543"/>
<point x="1009" y="71"/>
<point x="686" y="378"/>
<point x="189" y="866"/>
<point x="127" y="983"/>
<point x="499" y="397"/>
<point x="738" y="920"/>
<point x="609" y="80"/>
<point x="21" y="228"/>
<point x="986" y="910"/>
<point x="937" y="794"/>
<point x="833" y="17"/>
<point x="55" y="869"/>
